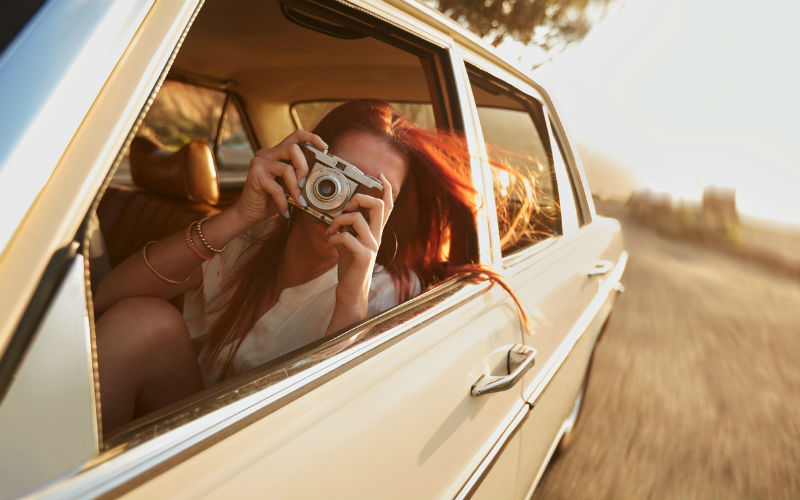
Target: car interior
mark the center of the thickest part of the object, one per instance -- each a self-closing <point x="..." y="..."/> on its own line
<point x="244" y="79"/>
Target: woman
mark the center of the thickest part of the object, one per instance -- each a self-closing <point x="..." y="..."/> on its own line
<point x="272" y="284"/>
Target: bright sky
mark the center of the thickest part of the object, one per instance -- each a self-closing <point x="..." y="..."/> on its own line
<point x="690" y="93"/>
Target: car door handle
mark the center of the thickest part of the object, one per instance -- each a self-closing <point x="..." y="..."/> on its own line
<point x="521" y="357"/>
<point x="600" y="268"/>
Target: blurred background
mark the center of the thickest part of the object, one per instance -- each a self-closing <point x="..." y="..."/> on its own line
<point x="685" y="113"/>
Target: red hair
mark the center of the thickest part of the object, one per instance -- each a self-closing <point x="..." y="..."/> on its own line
<point x="432" y="223"/>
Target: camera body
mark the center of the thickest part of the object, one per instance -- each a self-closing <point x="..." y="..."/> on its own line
<point x="330" y="184"/>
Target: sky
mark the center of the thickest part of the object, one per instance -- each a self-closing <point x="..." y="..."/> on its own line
<point x="684" y="94"/>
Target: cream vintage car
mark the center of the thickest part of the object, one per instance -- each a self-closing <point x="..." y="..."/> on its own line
<point x="443" y="396"/>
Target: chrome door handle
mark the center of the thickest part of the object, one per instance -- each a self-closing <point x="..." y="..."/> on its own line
<point x="520" y="355"/>
<point x="600" y="268"/>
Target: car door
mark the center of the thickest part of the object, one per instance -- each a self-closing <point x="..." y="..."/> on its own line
<point x="383" y="410"/>
<point x="555" y="270"/>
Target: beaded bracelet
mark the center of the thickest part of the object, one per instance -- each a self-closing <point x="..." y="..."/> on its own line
<point x="199" y="226"/>
<point x="190" y="243"/>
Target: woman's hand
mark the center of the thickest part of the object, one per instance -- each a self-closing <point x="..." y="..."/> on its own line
<point x="357" y="253"/>
<point x="262" y="196"/>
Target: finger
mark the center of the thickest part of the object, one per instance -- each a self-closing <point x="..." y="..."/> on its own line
<point x="287" y="174"/>
<point x="267" y="184"/>
<point x="280" y="150"/>
<point x="302" y="136"/>
<point x="388" y="197"/>
<point x="359" y="224"/>
<point x="349" y="242"/>
<point x="375" y="209"/>
<point x="300" y="164"/>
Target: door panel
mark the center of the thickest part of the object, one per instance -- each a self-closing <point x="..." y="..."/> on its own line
<point x="404" y="413"/>
<point x="573" y="307"/>
<point x="48" y="424"/>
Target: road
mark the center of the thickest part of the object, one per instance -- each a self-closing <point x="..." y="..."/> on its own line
<point x="695" y="387"/>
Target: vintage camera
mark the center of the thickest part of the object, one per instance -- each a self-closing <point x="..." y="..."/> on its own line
<point x="330" y="184"/>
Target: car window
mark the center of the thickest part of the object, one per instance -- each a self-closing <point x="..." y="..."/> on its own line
<point x="280" y="92"/>
<point x="578" y="191"/>
<point x="183" y="112"/>
<point x="234" y="150"/>
<point x="307" y="114"/>
<point x="518" y="145"/>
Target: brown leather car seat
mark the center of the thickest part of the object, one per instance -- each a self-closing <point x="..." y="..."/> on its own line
<point x="171" y="189"/>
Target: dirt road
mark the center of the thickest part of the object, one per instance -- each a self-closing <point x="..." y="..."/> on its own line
<point x="695" y="387"/>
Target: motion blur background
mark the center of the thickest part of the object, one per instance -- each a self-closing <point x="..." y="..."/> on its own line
<point x="686" y="117"/>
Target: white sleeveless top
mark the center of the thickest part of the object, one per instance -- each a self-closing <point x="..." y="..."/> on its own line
<point x="300" y="316"/>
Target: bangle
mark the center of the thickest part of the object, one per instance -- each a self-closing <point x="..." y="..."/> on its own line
<point x="152" y="269"/>
<point x="199" y="226"/>
<point x="190" y="243"/>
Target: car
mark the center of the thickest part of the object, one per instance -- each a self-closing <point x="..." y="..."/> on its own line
<point x="447" y="395"/>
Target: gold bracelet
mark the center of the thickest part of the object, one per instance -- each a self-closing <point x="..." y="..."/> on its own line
<point x="152" y="269"/>
<point x="199" y="226"/>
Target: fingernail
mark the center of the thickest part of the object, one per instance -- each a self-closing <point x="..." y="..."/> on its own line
<point x="286" y="214"/>
<point x="303" y="201"/>
<point x="303" y="183"/>
<point x="324" y="144"/>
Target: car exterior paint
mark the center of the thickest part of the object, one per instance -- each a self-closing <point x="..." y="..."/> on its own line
<point x="388" y="413"/>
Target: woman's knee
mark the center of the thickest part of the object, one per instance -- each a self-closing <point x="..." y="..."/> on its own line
<point x="148" y="321"/>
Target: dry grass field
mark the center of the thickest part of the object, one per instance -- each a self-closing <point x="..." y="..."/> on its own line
<point x="695" y="387"/>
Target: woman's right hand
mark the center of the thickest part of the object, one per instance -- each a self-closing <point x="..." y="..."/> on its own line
<point x="262" y="196"/>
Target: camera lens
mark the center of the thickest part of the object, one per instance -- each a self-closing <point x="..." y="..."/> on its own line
<point x="326" y="189"/>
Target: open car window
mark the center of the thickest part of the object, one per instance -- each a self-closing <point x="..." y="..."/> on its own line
<point x="234" y="86"/>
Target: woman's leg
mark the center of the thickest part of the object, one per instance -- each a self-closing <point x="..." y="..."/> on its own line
<point x="145" y="358"/>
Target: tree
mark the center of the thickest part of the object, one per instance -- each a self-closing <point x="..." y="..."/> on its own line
<point x="547" y="23"/>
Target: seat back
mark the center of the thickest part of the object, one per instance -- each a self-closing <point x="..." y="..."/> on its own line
<point x="171" y="189"/>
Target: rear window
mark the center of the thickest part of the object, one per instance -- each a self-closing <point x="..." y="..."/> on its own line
<point x="307" y="114"/>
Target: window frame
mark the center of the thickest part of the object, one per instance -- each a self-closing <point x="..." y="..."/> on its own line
<point x="188" y="427"/>
<point x="231" y="99"/>
<point x="524" y="91"/>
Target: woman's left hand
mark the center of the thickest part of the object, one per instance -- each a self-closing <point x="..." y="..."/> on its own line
<point x="357" y="253"/>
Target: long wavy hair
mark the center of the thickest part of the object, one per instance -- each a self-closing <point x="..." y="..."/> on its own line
<point x="430" y="232"/>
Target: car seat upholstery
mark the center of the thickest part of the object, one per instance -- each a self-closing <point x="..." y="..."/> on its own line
<point x="171" y="189"/>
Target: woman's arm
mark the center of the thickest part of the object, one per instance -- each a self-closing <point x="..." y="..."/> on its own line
<point x="174" y="267"/>
<point x="357" y="255"/>
<point x="171" y="258"/>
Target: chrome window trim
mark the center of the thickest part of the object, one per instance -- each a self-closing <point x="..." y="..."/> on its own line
<point x="530" y="91"/>
<point x="182" y="431"/>
<point x="554" y="363"/>
<point x="564" y="185"/>
<point x="486" y="218"/>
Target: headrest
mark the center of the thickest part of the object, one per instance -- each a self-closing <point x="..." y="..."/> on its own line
<point x="188" y="174"/>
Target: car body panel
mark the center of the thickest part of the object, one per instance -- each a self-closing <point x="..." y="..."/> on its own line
<point x="48" y="87"/>
<point x="59" y="207"/>
<point x="394" y="411"/>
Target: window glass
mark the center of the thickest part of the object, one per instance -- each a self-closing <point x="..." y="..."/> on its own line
<point x="235" y="150"/>
<point x="307" y="114"/>
<point x="578" y="192"/>
<point x="182" y="113"/>
<point x="518" y="147"/>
